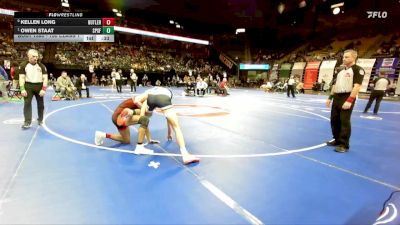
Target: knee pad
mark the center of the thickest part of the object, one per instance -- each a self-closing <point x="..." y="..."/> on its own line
<point x="144" y="121"/>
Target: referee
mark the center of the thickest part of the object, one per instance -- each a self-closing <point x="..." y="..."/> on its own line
<point x="380" y="85"/>
<point x="33" y="82"/>
<point x="345" y="88"/>
<point x="290" y="86"/>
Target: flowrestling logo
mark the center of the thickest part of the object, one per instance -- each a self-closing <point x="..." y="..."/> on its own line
<point x="377" y="14"/>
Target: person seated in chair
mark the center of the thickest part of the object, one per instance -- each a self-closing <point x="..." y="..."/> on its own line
<point x="190" y="86"/>
<point x="300" y="87"/>
<point x="3" y="83"/>
<point x="103" y="81"/>
<point x="65" y="86"/>
<point x="266" y="87"/>
<point x="222" y="88"/>
<point x="82" y="84"/>
<point x="391" y="90"/>
<point x="52" y="80"/>
<point x="201" y="87"/>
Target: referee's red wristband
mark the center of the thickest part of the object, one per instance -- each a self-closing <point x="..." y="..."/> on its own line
<point x="44" y="88"/>
<point x="350" y="99"/>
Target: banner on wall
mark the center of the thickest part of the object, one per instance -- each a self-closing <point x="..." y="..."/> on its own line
<point x="274" y="72"/>
<point x="326" y="72"/>
<point x="311" y="74"/>
<point x="298" y="69"/>
<point x="253" y="66"/>
<point x="389" y="66"/>
<point x="251" y="75"/>
<point x="284" y="72"/>
<point x="367" y="65"/>
<point x="226" y="60"/>
<point x="256" y="75"/>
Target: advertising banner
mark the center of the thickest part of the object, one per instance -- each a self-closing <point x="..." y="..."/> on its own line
<point x="284" y="71"/>
<point x="226" y="60"/>
<point x="367" y="65"/>
<point x="311" y="74"/>
<point x="298" y="70"/>
<point x="254" y="66"/>
<point x="274" y="72"/>
<point x="326" y="72"/>
<point x="389" y="66"/>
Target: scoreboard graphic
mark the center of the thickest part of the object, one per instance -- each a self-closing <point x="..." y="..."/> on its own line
<point x="63" y="27"/>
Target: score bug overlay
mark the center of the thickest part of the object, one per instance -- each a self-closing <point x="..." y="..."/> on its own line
<point x="63" y="27"/>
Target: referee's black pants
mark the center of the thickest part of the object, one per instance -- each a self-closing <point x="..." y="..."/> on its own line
<point x="119" y="86"/>
<point x="340" y="120"/>
<point x="378" y="95"/>
<point x="290" y="89"/>
<point x="33" y="89"/>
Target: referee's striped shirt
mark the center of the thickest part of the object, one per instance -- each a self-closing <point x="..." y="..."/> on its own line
<point x="345" y="79"/>
<point x="33" y="73"/>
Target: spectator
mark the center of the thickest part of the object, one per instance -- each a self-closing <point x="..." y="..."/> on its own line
<point x="223" y="88"/>
<point x="52" y="80"/>
<point x="201" y="87"/>
<point x="3" y="83"/>
<point x="118" y="79"/>
<point x="114" y="74"/>
<point x="65" y="86"/>
<point x="94" y="79"/>
<point x="174" y="80"/>
<point x="14" y="75"/>
<point x="144" y="80"/>
<point x="300" y="87"/>
<point x="103" y="81"/>
<point x="134" y="79"/>
<point x="266" y="87"/>
<point x="392" y="89"/>
<point x="82" y="84"/>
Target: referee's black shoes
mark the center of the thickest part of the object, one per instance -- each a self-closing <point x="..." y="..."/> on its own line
<point x="341" y="149"/>
<point x="26" y="125"/>
<point x="331" y="143"/>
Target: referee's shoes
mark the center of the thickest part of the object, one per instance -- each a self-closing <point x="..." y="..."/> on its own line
<point x="341" y="149"/>
<point x="332" y="143"/>
<point x="26" y="125"/>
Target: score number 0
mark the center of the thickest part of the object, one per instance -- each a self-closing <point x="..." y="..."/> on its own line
<point x="108" y="21"/>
